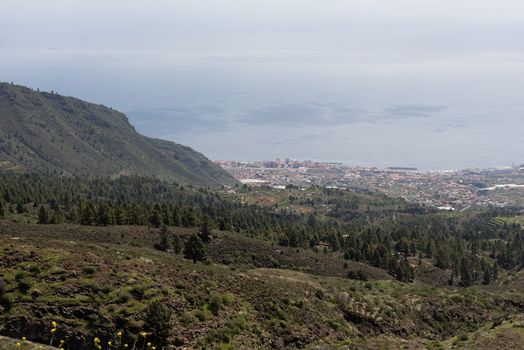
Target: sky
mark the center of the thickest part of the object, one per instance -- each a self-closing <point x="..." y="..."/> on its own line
<point x="430" y="84"/>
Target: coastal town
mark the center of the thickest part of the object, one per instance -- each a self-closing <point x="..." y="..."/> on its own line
<point x="447" y="190"/>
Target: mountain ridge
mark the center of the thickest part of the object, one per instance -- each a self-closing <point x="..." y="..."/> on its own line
<point x="45" y="131"/>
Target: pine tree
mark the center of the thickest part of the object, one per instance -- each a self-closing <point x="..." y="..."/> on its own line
<point x="163" y="245"/>
<point x="486" y="271"/>
<point x="486" y="277"/>
<point x="88" y="215"/>
<point x="43" y="216"/>
<point x="155" y="219"/>
<point x="57" y="216"/>
<point x="204" y="231"/>
<point x="194" y="249"/>
<point x="104" y="217"/>
<point x="465" y="273"/>
<point x="158" y="323"/>
<point x="176" y="220"/>
<point x="20" y="209"/>
<point x="177" y="244"/>
<point x="73" y="215"/>
<point x="120" y="218"/>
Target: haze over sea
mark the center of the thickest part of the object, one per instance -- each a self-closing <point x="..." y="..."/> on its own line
<point x="369" y="85"/>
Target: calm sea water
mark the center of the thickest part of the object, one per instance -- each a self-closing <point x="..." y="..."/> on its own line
<point x="445" y="112"/>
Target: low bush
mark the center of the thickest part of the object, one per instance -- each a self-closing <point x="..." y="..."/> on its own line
<point x="215" y="303"/>
<point x="358" y="275"/>
<point x="24" y="284"/>
<point x="228" y="298"/>
<point x="89" y="270"/>
<point x="201" y="315"/>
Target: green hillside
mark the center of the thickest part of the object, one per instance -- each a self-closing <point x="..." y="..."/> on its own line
<point x="48" y="132"/>
<point x="98" y="281"/>
<point x="135" y="260"/>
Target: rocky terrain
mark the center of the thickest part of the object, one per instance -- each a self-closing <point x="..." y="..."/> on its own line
<point x="97" y="281"/>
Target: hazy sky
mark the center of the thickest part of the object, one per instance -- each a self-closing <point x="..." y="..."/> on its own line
<point x="433" y="84"/>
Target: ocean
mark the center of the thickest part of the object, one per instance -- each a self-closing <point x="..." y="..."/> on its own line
<point x="434" y="112"/>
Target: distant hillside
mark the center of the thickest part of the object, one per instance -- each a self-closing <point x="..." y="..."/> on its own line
<point x="48" y="132"/>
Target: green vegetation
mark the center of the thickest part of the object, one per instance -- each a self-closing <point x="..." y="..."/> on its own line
<point x="390" y="234"/>
<point x="93" y="281"/>
<point x="158" y="323"/>
<point x="61" y="135"/>
<point x="236" y="267"/>
<point x="194" y="249"/>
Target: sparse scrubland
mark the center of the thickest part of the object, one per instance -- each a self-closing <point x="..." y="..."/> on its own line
<point x="243" y="268"/>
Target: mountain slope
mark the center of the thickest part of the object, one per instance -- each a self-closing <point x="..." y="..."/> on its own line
<point x="48" y="132"/>
<point x="93" y="281"/>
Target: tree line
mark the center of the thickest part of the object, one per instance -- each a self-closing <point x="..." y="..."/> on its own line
<point x="384" y="232"/>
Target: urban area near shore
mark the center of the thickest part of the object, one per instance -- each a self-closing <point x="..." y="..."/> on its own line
<point x="449" y="190"/>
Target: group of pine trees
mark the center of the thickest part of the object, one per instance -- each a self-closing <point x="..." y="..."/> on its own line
<point x="192" y="247"/>
<point x="384" y="232"/>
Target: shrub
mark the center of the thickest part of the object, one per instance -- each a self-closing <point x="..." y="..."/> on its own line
<point x="24" y="284"/>
<point x="358" y="275"/>
<point x="3" y="287"/>
<point x="139" y="291"/>
<point x="89" y="270"/>
<point x="35" y="293"/>
<point x="6" y="301"/>
<point x="214" y="304"/>
<point x="20" y="275"/>
<point x="34" y="269"/>
<point x="224" y="335"/>
<point x="105" y="289"/>
<point x="319" y="293"/>
<point x="277" y="323"/>
<point x="187" y="318"/>
<point x="158" y="321"/>
<point x="239" y="322"/>
<point x="201" y="315"/>
<point x="123" y="297"/>
<point x="389" y="312"/>
<point x="135" y="243"/>
<point x="333" y="324"/>
<point x="228" y="298"/>
<point x="463" y="337"/>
